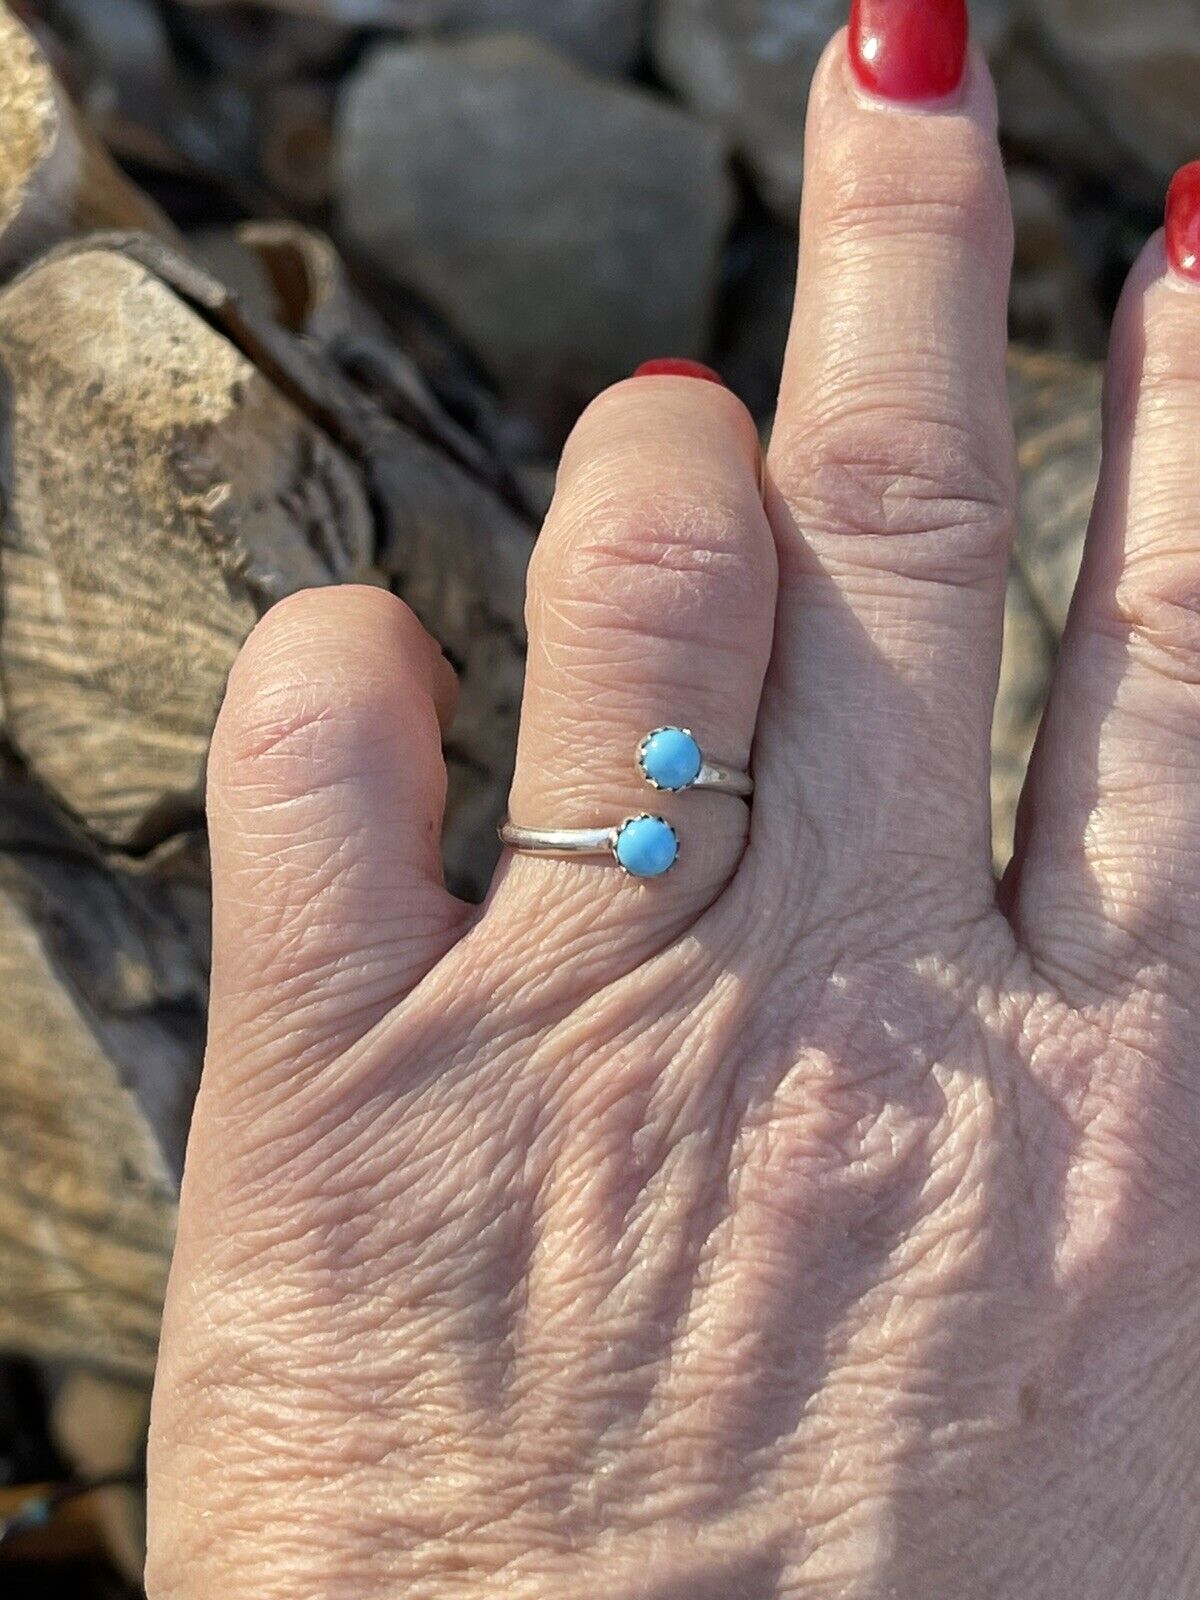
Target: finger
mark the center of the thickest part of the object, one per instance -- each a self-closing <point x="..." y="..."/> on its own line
<point x="894" y="462"/>
<point x="651" y="602"/>
<point x="1107" y="873"/>
<point x="326" y="788"/>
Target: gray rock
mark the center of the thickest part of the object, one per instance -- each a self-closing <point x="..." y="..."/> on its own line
<point x="565" y="226"/>
<point x="747" y="65"/>
<point x="1043" y="116"/>
<point x="1135" y="68"/>
<point x="347" y="13"/>
<point x="605" y="34"/>
<point x="1053" y="303"/>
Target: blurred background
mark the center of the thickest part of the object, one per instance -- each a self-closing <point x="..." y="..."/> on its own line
<point x="310" y="291"/>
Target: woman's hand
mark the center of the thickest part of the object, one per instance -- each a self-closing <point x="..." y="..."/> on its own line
<point x="812" y="1221"/>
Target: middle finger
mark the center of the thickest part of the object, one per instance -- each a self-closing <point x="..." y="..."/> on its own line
<point x="894" y="460"/>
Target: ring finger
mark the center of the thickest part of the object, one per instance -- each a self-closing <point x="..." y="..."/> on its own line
<point x="651" y="604"/>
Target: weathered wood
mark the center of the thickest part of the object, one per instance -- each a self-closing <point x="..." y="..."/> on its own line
<point x="1056" y="409"/>
<point x="56" y="178"/>
<point x="151" y="453"/>
<point x="99" y="1424"/>
<point x="101" y="1008"/>
<point x="159" y="494"/>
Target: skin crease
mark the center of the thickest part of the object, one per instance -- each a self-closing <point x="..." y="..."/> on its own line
<point x="821" y="1221"/>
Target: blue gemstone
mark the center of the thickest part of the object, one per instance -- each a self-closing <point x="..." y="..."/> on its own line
<point x="671" y="758"/>
<point x="647" y="847"/>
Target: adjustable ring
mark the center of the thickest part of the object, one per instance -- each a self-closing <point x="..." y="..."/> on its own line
<point x="644" y="846"/>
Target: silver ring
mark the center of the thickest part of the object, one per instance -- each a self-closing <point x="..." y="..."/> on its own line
<point x="645" y="845"/>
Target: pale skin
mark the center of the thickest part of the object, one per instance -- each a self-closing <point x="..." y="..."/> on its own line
<point x="822" y="1220"/>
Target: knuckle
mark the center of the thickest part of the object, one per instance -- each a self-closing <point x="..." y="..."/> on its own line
<point x="927" y="488"/>
<point x="908" y="439"/>
<point x="657" y="527"/>
<point x="651" y="564"/>
<point x="316" y="682"/>
<point x="960" y="195"/>
<point x="292" y="750"/>
<point x="1156" y="608"/>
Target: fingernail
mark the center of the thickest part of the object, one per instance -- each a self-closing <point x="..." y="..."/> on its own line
<point x="677" y="367"/>
<point x="909" y="50"/>
<point x="1183" y="222"/>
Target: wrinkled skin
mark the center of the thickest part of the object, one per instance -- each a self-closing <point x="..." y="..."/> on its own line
<point x="821" y="1220"/>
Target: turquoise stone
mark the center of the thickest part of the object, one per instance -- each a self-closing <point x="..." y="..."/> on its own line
<point x="647" y="847"/>
<point x="671" y="758"/>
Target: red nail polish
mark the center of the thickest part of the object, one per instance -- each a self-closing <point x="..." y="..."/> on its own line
<point x="1183" y="222"/>
<point x="909" y="49"/>
<point x="677" y="367"/>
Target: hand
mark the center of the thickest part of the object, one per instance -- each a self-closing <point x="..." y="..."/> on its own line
<point x="814" y="1221"/>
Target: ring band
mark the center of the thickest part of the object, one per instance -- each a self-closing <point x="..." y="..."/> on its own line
<point x="643" y="846"/>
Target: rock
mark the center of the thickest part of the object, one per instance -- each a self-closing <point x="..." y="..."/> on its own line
<point x="1052" y="304"/>
<point x="344" y="13"/>
<point x="1042" y="121"/>
<point x="747" y="64"/>
<point x="604" y="34"/>
<point x="567" y="227"/>
<point x="1135" y="69"/>
<point x="747" y="67"/>
<point x="295" y="151"/>
<point x="756" y="307"/>
<point x="124" y="43"/>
